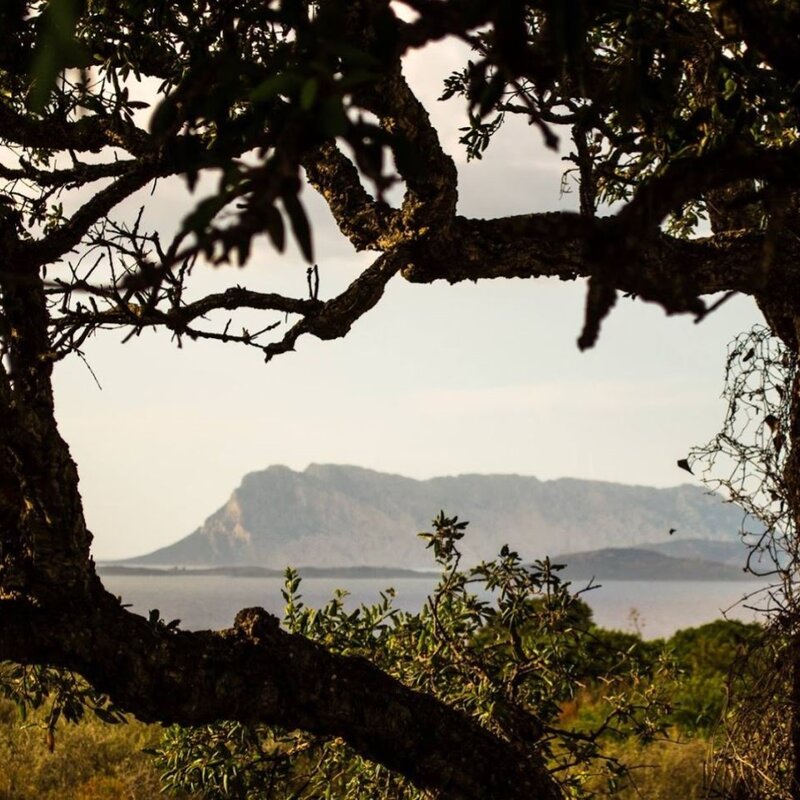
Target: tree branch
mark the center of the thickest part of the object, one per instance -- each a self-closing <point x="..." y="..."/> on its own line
<point x="90" y="134"/>
<point x="73" y="325"/>
<point x="560" y="245"/>
<point x="429" y="173"/>
<point x="60" y="241"/>
<point x="369" y="224"/>
<point x="77" y="175"/>
<point x="256" y="671"/>
<point x="628" y="252"/>
<point x="337" y="315"/>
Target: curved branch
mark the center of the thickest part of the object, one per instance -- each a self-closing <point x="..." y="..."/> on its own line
<point x="369" y="224"/>
<point x="337" y="315"/>
<point x="239" y="297"/>
<point x="429" y="173"/>
<point x="68" y="236"/>
<point x="256" y="671"/>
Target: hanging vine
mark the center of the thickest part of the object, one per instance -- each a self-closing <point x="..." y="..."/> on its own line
<point x="746" y="462"/>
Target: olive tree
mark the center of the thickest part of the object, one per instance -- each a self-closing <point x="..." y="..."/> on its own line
<point x="672" y="112"/>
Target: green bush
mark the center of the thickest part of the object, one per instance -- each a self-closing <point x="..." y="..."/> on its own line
<point x="505" y="642"/>
<point x="705" y="658"/>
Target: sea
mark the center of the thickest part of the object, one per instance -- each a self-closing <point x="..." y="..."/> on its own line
<point x="654" y="609"/>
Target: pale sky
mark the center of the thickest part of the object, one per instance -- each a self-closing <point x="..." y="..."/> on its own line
<point x="435" y="380"/>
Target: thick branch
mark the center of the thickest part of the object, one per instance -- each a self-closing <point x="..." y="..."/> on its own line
<point x="561" y="245"/>
<point x="429" y="173"/>
<point x="90" y="134"/>
<point x="257" y="672"/>
<point x="369" y="224"/>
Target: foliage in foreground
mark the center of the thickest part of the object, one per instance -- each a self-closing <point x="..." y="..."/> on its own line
<point x="93" y="760"/>
<point x="90" y="760"/>
<point x="507" y="643"/>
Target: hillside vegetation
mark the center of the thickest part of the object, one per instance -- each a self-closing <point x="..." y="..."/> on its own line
<point x="92" y="760"/>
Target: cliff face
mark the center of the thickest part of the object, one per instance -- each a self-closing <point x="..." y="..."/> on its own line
<point x="333" y="515"/>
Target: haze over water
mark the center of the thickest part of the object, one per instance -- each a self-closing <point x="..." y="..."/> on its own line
<point x="655" y="608"/>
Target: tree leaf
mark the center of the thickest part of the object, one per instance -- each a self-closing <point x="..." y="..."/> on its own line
<point x="300" y="227"/>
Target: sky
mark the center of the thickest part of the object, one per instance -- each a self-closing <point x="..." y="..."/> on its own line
<point x="436" y="380"/>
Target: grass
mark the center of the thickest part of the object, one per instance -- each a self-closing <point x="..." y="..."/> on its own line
<point x="662" y="770"/>
<point x="90" y="760"/>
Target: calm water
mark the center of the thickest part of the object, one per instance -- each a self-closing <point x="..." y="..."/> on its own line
<point x="657" y="608"/>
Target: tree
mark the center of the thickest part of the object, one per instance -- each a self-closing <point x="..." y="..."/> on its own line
<point x="676" y="111"/>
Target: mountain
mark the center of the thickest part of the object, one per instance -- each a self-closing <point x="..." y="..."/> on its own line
<point x="332" y="516"/>
<point x="608" y="564"/>
<point x="628" y="563"/>
<point x="733" y="553"/>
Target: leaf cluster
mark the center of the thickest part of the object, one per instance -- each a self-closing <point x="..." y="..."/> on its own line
<point x="637" y="86"/>
<point x="62" y="693"/>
